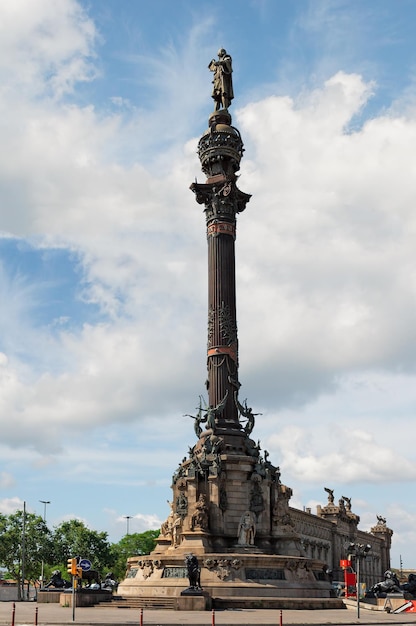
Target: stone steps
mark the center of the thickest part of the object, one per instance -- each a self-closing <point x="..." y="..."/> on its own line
<point x="306" y="604"/>
<point x="222" y="603"/>
<point x="121" y="602"/>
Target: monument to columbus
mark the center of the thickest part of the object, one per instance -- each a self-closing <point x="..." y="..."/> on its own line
<point x="229" y="509"/>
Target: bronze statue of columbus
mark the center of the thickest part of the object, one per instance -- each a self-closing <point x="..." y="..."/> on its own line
<point x="222" y="91"/>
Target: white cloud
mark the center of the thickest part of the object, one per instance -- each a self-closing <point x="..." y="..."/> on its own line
<point x="359" y="434"/>
<point x="329" y="248"/>
<point x="11" y="505"/>
<point x="402" y="519"/>
<point x="6" y="480"/>
<point x="345" y="455"/>
<point x="45" y="48"/>
<point x="139" y="522"/>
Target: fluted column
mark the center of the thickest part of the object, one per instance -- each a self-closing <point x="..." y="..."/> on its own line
<point x="220" y="150"/>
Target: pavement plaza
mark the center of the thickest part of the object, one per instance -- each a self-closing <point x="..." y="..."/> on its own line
<point x="30" y="613"/>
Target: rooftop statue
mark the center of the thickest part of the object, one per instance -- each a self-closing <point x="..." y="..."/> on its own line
<point x="222" y="91"/>
<point x="330" y="493"/>
<point x="347" y="503"/>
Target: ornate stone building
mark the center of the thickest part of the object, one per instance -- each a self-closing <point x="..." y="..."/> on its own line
<point x="327" y="535"/>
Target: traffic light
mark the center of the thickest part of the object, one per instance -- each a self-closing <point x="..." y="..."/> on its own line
<point x="71" y="567"/>
<point x="79" y="572"/>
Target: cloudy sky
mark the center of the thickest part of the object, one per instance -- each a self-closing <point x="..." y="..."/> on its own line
<point x="103" y="269"/>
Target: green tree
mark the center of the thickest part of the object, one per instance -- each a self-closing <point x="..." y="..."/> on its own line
<point x="24" y="542"/>
<point x="131" y="545"/>
<point x="74" y="538"/>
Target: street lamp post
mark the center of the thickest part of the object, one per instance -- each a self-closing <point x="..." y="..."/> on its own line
<point x="360" y="552"/>
<point x="44" y="502"/>
<point x="23" y="551"/>
<point x="128" y="518"/>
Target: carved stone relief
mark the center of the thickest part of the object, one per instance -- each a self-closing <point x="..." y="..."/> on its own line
<point x="224" y="568"/>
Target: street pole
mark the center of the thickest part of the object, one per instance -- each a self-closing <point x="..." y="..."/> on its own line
<point x="128" y="518"/>
<point x="360" y="551"/>
<point x="44" y="502"/>
<point x="74" y="599"/>
<point x="23" y="550"/>
<point x="358" y="557"/>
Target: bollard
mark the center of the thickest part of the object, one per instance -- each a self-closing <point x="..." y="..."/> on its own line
<point x="213" y="618"/>
<point x="13" y="613"/>
<point x="141" y="617"/>
<point x="281" y="618"/>
<point x="36" y="616"/>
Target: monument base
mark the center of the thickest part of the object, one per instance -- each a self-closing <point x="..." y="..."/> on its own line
<point x="225" y="576"/>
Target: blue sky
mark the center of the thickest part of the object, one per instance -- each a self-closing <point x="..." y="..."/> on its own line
<point x="103" y="250"/>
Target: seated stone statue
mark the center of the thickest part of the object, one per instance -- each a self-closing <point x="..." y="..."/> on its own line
<point x="200" y="517"/>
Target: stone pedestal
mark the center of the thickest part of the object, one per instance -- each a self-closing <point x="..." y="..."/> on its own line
<point x="49" y="596"/>
<point x="85" y="598"/>
<point x="190" y="600"/>
<point x="231" y="511"/>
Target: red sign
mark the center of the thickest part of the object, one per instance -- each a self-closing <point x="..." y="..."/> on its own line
<point x="350" y="580"/>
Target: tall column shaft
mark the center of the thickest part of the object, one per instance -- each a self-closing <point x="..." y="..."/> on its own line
<point x="220" y="150"/>
<point x="222" y="346"/>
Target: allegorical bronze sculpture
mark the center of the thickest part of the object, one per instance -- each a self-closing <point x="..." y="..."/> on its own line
<point x="410" y="586"/>
<point x="222" y="91"/>
<point x="390" y="584"/>
<point x="57" y="582"/>
<point x="194" y="571"/>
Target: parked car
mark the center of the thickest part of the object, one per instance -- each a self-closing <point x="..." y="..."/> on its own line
<point x="339" y="588"/>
